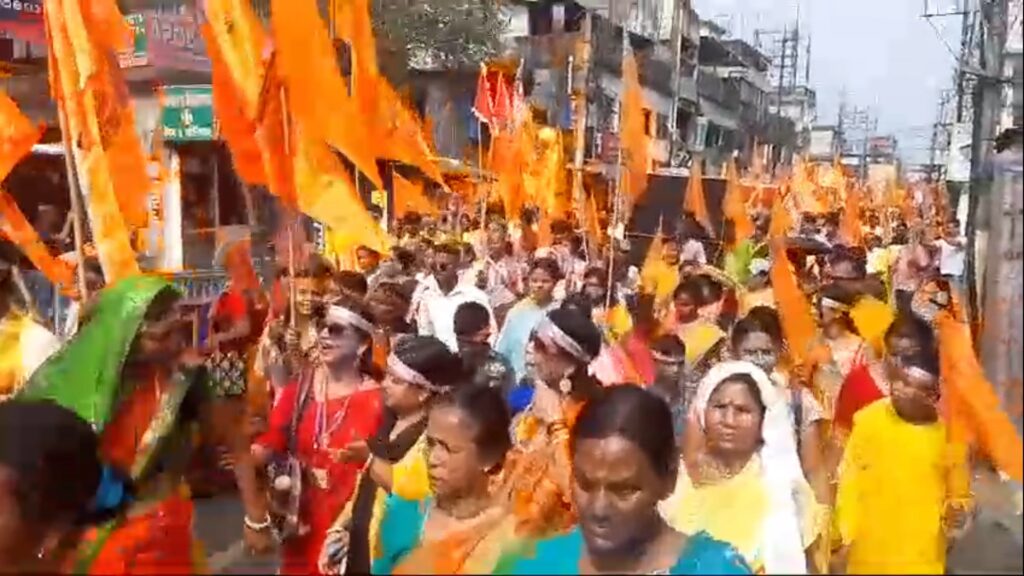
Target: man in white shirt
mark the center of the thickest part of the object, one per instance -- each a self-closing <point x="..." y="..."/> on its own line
<point x="952" y="255"/>
<point x="440" y="294"/>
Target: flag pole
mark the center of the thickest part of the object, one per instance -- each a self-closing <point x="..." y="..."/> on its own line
<point x="74" y="191"/>
<point x="285" y="121"/>
<point x="480" y="174"/>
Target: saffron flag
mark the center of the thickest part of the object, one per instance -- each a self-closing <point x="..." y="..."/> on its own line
<point x="396" y="130"/>
<point x="249" y="99"/>
<point x="795" y="312"/>
<point x="735" y="207"/>
<point x="17" y="135"/>
<point x="410" y="197"/>
<point x="850" y="229"/>
<point x="327" y="193"/>
<point x="483" y="105"/>
<point x="93" y="97"/>
<point x="633" y="143"/>
<point x="235" y="42"/>
<point x="318" y="97"/>
<point x="694" y="202"/>
<point x="974" y="413"/>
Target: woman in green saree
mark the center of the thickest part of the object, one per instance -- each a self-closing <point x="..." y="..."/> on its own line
<point x="129" y="373"/>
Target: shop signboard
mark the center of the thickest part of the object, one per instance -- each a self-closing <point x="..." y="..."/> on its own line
<point x="169" y="41"/>
<point x="188" y="114"/>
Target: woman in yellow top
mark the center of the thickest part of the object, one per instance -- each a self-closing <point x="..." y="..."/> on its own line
<point x="684" y="320"/>
<point x="466" y="526"/>
<point x="744" y="485"/>
<point x="903" y="488"/>
<point x="420" y="368"/>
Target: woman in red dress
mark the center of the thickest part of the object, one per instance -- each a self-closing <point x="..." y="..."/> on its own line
<point x="335" y="401"/>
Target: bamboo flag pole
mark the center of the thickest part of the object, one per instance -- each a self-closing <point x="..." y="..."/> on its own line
<point x="74" y="191"/>
<point x="286" y="122"/>
<point x="480" y="175"/>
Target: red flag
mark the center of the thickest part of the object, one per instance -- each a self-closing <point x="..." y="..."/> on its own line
<point x="483" y="106"/>
<point x="502" y="111"/>
<point x="858" y="390"/>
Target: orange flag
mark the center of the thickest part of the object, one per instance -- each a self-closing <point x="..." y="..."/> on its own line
<point x="354" y="26"/>
<point x="735" y="206"/>
<point x="974" y="413"/>
<point x="17" y="135"/>
<point x="694" y="201"/>
<point x="326" y="192"/>
<point x="507" y="163"/>
<point x="850" y="228"/>
<point x="318" y="96"/>
<point x="236" y="124"/>
<point x="795" y="311"/>
<point x="249" y="99"/>
<point x="781" y="220"/>
<point x="17" y="229"/>
<point x="402" y="135"/>
<point x="92" y="96"/>
<point x="633" y="134"/>
<point x="409" y="197"/>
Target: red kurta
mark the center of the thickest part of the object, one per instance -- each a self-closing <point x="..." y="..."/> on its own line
<point x="318" y="508"/>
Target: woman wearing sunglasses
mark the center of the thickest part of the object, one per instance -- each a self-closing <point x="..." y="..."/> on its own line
<point x="336" y="401"/>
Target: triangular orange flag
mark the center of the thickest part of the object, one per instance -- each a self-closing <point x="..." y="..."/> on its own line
<point x="318" y="96"/>
<point x="634" y="142"/>
<point x="409" y="197"/>
<point x="735" y="207"/>
<point x="694" y="201"/>
<point x="17" y="136"/>
<point x="850" y="228"/>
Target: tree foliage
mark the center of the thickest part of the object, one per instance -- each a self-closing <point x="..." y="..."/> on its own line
<point x="436" y="34"/>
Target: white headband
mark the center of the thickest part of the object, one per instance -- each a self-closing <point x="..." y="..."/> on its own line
<point x="833" y="304"/>
<point x="345" y="317"/>
<point x="550" y="333"/>
<point x="918" y="372"/>
<point x="403" y="371"/>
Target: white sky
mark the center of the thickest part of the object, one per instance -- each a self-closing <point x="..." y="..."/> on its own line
<point x="880" y="53"/>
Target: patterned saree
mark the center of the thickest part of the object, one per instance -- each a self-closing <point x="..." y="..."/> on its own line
<point x="142" y="433"/>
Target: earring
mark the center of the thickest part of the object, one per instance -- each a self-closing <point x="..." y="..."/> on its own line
<point x="41" y="554"/>
<point x="565" y="385"/>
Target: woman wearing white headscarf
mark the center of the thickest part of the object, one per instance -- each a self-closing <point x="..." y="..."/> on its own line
<point x="745" y="485"/>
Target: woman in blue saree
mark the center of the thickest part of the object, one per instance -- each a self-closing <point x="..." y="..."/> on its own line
<point x="527" y="313"/>
<point x="624" y="462"/>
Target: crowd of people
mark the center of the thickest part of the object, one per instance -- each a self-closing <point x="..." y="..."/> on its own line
<point x="474" y="403"/>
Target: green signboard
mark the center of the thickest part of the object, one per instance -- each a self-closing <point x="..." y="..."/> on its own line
<point x="188" y="113"/>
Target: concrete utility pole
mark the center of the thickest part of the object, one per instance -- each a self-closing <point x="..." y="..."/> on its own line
<point x="680" y="10"/>
<point x="940" y="136"/>
<point x="987" y="102"/>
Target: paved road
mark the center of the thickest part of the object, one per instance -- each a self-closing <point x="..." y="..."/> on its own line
<point x="993" y="545"/>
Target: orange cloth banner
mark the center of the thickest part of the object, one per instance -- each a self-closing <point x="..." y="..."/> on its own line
<point x="93" y="97"/>
<point x="318" y="96"/>
<point x="633" y="135"/>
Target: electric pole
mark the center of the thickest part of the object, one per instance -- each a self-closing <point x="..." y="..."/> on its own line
<point x="987" y="101"/>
